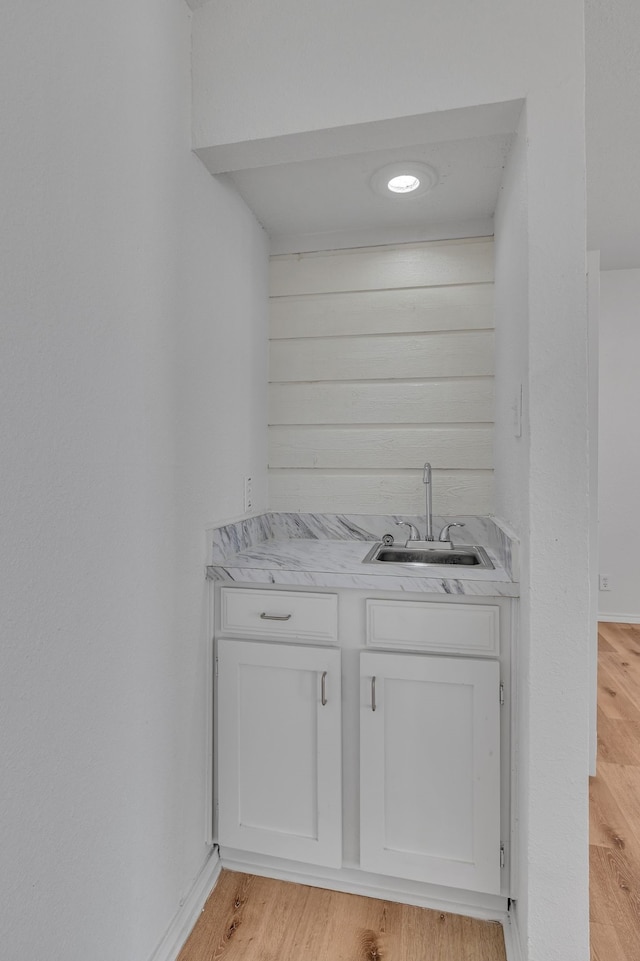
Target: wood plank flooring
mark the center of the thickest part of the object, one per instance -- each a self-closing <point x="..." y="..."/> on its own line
<point x="615" y="799"/>
<point x="248" y="918"/>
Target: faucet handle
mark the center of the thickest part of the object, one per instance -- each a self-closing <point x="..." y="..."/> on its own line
<point x="414" y="533"/>
<point x="444" y="533"/>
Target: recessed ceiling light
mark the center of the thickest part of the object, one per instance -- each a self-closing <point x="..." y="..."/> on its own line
<point x="403" y="184"/>
<point x="404" y="178"/>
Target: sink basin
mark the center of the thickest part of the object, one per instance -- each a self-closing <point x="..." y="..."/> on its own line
<point x="429" y="556"/>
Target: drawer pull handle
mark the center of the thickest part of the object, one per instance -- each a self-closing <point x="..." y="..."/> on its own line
<point x="275" y="617"/>
<point x="323" y="685"/>
<point x="373" y="693"/>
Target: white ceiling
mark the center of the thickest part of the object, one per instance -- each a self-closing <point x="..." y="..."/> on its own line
<point x="330" y="202"/>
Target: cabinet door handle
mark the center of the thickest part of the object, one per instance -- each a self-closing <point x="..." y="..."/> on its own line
<point x="323" y="688"/>
<point x="275" y="617"/>
<point x="373" y="693"/>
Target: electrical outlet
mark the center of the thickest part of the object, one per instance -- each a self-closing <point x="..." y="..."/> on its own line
<point x="248" y="494"/>
<point x="605" y="582"/>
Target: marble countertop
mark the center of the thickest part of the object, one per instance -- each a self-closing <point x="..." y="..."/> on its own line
<point x="328" y="551"/>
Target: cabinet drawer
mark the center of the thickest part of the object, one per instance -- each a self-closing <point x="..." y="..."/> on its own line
<point x="445" y="628"/>
<point x="286" y="615"/>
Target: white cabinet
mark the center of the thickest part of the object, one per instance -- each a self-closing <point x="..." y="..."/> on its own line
<point x="430" y="769"/>
<point x="413" y="790"/>
<point x="279" y="750"/>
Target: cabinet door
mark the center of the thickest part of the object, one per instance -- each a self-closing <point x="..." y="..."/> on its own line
<point x="280" y="759"/>
<point x="430" y="769"/>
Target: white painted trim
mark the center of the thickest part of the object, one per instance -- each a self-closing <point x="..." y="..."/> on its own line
<point x="189" y="910"/>
<point x="593" y="346"/>
<point x="620" y="618"/>
<point x="209" y="708"/>
<point x="354" y="881"/>
<point x="377" y="236"/>
<point x="512" y="751"/>
<point x="512" y="942"/>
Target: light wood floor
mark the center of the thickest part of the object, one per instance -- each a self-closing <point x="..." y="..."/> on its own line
<point x="257" y="919"/>
<point x="615" y="799"/>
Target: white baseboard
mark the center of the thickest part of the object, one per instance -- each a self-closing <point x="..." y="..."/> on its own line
<point x="189" y="911"/>
<point x="620" y="618"/>
<point x="512" y="942"/>
<point x="354" y="881"/>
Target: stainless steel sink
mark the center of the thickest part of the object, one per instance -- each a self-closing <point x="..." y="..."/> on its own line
<point x="429" y="556"/>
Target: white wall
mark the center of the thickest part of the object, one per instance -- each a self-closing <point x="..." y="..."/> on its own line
<point x="619" y="442"/>
<point x="291" y="66"/>
<point x="382" y="358"/>
<point x="133" y="306"/>
<point x="263" y="70"/>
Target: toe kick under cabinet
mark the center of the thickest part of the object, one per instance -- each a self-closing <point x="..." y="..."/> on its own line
<point x="366" y="732"/>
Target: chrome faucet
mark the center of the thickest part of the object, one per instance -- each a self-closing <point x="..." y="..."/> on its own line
<point x="426" y="480"/>
<point x="414" y="533"/>
<point x="444" y="533"/>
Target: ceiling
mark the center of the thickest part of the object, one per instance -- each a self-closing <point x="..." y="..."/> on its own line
<point x="330" y="202"/>
<point x="322" y="203"/>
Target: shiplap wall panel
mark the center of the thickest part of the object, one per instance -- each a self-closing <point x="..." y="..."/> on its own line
<point x="463" y="307"/>
<point x="380" y="447"/>
<point x="383" y="356"/>
<point x="380" y="359"/>
<point x="387" y="492"/>
<point x="377" y="268"/>
<point x="420" y="402"/>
